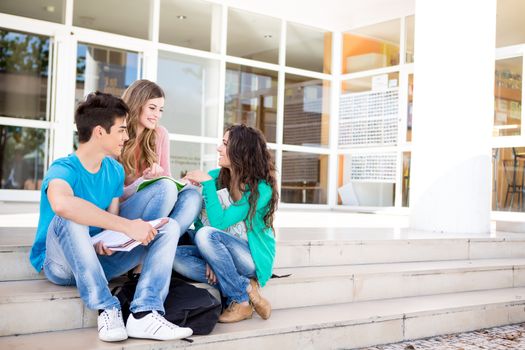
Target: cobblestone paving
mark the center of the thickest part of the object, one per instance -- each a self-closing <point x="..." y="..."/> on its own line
<point x="499" y="338"/>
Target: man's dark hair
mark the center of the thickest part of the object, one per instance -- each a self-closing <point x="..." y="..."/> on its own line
<point x="98" y="109"/>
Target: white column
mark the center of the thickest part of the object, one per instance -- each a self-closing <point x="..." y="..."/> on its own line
<point x="450" y="181"/>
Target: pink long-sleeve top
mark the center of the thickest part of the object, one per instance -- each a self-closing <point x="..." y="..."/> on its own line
<point x="162" y="148"/>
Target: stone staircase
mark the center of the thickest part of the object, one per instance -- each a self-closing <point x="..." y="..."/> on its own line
<point x="350" y="288"/>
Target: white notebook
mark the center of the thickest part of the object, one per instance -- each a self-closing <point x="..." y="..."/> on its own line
<point x="120" y="242"/>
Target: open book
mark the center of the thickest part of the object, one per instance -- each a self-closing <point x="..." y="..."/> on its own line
<point x="146" y="183"/>
<point x="238" y="229"/>
<point x="120" y="242"/>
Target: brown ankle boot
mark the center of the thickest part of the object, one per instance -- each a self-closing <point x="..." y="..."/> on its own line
<point x="260" y="304"/>
<point x="235" y="313"/>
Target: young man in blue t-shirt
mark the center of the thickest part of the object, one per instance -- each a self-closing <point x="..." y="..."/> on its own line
<point x="80" y="195"/>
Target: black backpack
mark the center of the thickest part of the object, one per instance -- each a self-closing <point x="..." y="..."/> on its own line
<point x="185" y="305"/>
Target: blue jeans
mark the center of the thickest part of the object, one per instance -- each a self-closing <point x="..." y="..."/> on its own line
<point x="161" y="199"/>
<point x="71" y="259"/>
<point x="228" y="256"/>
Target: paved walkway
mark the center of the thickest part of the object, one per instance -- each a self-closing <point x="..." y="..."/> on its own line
<point x="499" y="338"/>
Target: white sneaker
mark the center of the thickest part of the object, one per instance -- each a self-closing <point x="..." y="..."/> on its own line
<point x="111" y="326"/>
<point x="154" y="326"/>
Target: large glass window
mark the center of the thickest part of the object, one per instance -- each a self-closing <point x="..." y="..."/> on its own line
<point x="105" y="69"/>
<point x="253" y="36"/>
<point x="190" y="23"/>
<point x="50" y="10"/>
<point x="24" y="75"/>
<point x="367" y="179"/>
<point x="308" y="48"/>
<point x="508" y="187"/>
<point x="304" y="178"/>
<point x="306" y="111"/>
<point x="507" y="97"/>
<point x="114" y="16"/>
<point x="371" y="47"/>
<point x="23" y="157"/>
<point x="509" y="23"/>
<point x="251" y="98"/>
<point x="368" y="112"/>
<point x="409" y="42"/>
<point x="191" y="85"/>
<point x="187" y="156"/>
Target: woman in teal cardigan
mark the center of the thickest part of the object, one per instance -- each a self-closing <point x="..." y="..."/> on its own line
<point x="234" y="240"/>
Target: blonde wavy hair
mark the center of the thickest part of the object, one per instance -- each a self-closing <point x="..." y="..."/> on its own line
<point x="139" y="152"/>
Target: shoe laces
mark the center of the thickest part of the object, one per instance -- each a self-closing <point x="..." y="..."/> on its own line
<point x="160" y="319"/>
<point x="113" y="318"/>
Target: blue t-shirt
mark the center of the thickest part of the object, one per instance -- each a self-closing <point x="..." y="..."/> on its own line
<point x="98" y="188"/>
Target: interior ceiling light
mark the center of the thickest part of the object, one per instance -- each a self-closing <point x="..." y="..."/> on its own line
<point x="181" y="17"/>
<point x="268" y="36"/>
<point x="49" y="8"/>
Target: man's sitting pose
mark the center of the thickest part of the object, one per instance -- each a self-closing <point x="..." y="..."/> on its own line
<point x="80" y="195"/>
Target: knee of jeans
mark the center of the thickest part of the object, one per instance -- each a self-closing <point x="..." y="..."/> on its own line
<point x="205" y="235"/>
<point x="171" y="229"/>
<point x="58" y="274"/>
<point x="193" y="197"/>
<point x="167" y="189"/>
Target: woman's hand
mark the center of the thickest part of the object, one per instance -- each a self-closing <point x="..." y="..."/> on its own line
<point x="101" y="249"/>
<point x="210" y="275"/>
<point x="197" y="176"/>
<point x="153" y="172"/>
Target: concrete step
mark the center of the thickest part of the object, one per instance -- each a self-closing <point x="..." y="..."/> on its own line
<point x="349" y="325"/>
<point x="30" y="306"/>
<point x="15" y="244"/>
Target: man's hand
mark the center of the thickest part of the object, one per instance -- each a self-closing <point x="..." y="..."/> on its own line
<point x="101" y="249"/>
<point x="153" y="172"/>
<point x="141" y="231"/>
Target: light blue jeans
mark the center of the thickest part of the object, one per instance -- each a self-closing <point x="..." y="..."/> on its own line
<point x="228" y="256"/>
<point x="161" y="199"/>
<point x="71" y="259"/>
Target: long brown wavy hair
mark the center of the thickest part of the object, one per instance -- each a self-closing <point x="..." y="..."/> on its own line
<point x="251" y="162"/>
<point x="139" y="152"/>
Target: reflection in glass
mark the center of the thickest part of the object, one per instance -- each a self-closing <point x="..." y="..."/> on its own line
<point x="51" y="10"/>
<point x="114" y="16"/>
<point x="368" y="111"/>
<point x="507" y="97"/>
<point x="253" y="36"/>
<point x="191" y="88"/>
<point x="376" y="83"/>
<point x="190" y="23"/>
<point x="367" y="179"/>
<point x="371" y="47"/>
<point x="410" y="106"/>
<point x="23" y="156"/>
<point x="186" y="156"/>
<point x="406" y="178"/>
<point x="105" y="69"/>
<point x="308" y="48"/>
<point x="251" y="98"/>
<point x="410" y="29"/>
<point x="508" y="182"/>
<point x="306" y="111"/>
<point x="24" y="73"/>
<point x="509" y="23"/>
<point x="304" y="178"/>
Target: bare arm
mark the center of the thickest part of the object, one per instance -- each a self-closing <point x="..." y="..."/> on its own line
<point x="65" y="204"/>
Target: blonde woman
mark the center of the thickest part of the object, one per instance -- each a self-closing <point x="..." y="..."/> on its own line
<point x="146" y="155"/>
